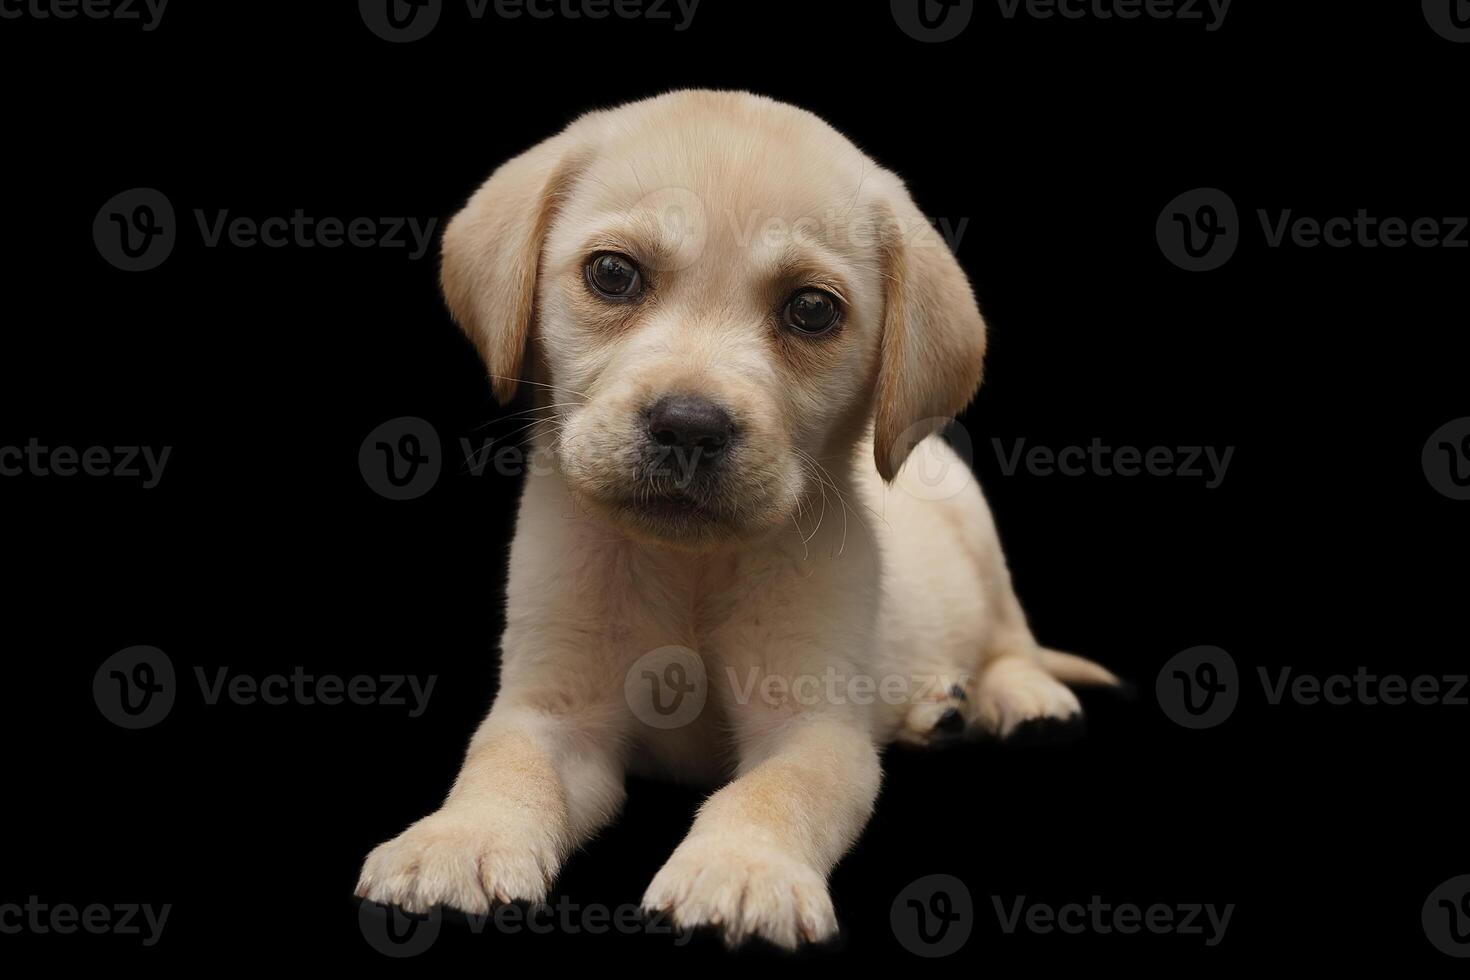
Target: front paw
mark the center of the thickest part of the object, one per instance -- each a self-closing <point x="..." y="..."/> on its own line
<point x="460" y="859"/>
<point x="745" y="890"/>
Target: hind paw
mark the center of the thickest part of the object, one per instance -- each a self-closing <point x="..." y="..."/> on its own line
<point x="938" y="722"/>
<point x="1016" y="692"/>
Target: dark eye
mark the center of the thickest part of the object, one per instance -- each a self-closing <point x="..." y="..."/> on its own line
<point x="811" y="311"/>
<point x="614" y="276"/>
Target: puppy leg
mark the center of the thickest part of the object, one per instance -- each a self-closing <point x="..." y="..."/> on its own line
<point x="532" y="788"/>
<point x="939" y="717"/>
<point x="755" y="861"/>
<point x="1022" y="682"/>
<point x="1015" y="690"/>
<point x="1019" y="684"/>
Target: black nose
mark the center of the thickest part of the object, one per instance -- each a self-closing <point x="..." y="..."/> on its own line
<point x="689" y="422"/>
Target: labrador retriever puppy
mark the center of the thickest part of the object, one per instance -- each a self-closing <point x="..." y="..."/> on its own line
<point x="742" y="337"/>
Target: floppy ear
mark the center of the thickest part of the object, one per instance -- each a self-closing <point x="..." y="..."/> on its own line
<point x="933" y="341"/>
<point x="492" y="251"/>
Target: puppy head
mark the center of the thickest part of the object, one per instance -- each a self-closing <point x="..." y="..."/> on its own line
<point x="717" y="293"/>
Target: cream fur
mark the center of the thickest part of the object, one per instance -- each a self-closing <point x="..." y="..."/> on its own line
<point x="817" y="567"/>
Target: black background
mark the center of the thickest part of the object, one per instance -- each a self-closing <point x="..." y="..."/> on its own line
<point x="262" y="549"/>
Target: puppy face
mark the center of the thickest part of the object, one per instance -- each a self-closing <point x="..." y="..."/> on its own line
<point x="721" y="292"/>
